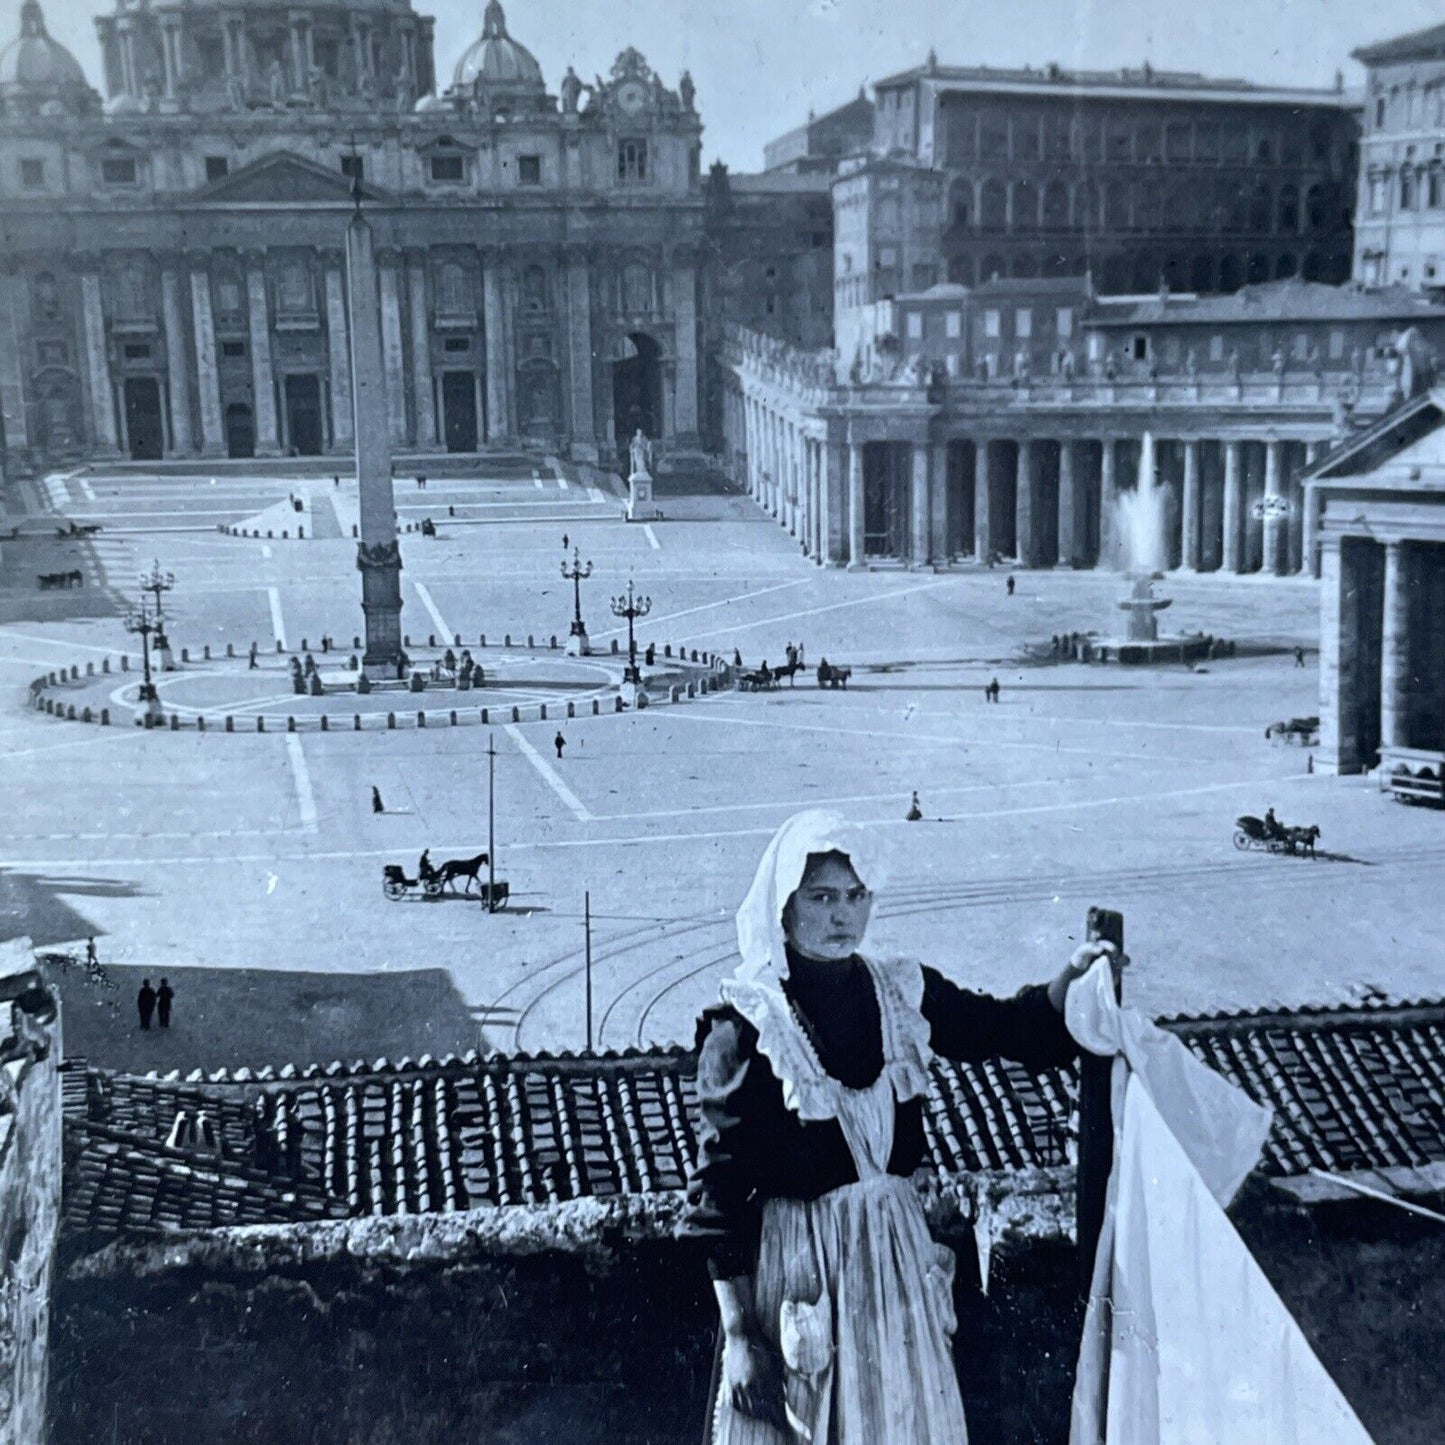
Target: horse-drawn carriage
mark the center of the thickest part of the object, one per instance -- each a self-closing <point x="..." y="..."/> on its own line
<point x="762" y="680"/>
<point x="435" y="881"/>
<point x="1274" y="837"/>
<point x="830" y="675"/>
<point x="1302" y="730"/>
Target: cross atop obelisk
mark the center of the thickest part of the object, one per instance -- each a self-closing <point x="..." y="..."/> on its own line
<point x="378" y="557"/>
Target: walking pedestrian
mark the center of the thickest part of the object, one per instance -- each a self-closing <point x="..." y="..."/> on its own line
<point x="915" y="813"/>
<point x="145" y="1002"/>
<point x="165" y="994"/>
<point x="336" y="480"/>
<point x="252" y="664"/>
<point x="559" y="742"/>
<point x="1299" y="657"/>
<point x="1010" y="585"/>
<point x="92" y="960"/>
<point x="377" y="806"/>
<point x="737" y="657"/>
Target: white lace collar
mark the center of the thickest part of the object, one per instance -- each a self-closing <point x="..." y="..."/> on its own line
<point x="808" y="1089"/>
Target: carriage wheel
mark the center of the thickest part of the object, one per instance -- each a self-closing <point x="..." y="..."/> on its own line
<point x="1241" y="839"/>
<point x="393" y="889"/>
<point x="432" y="887"/>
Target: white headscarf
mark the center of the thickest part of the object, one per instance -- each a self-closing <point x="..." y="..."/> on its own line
<point x="780" y="871"/>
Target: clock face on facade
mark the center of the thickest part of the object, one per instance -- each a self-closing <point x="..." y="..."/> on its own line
<point x="631" y="97"/>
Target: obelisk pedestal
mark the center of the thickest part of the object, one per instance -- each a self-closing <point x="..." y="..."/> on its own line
<point x="378" y="557"/>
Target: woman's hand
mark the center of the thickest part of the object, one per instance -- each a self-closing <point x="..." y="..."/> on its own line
<point x="1083" y="959"/>
<point x="752" y="1375"/>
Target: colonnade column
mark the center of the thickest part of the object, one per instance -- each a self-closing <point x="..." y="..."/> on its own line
<point x="919" y="552"/>
<point x="982" y="533"/>
<point x="855" y="504"/>
<point x="1340" y="656"/>
<point x="1024" y="506"/>
<point x="684" y="416"/>
<point x="1108" y="497"/>
<point x="338" y="348"/>
<point x="835" y="483"/>
<point x="1069" y="549"/>
<point x="493" y="304"/>
<point x="1395" y="649"/>
<point x="12" y="365"/>
<point x="1191" y="554"/>
<point x="775" y="468"/>
<point x="820" y="524"/>
<point x="938" y="539"/>
<point x="579" y="317"/>
<point x="178" y="364"/>
<point x="1276" y="534"/>
<point x="392" y="353"/>
<point x="263" y="385"/>
<point x="1233" y="508"/>
<point x="1310" y="501"/>
<point x="97" y="365"/>
<point x="208" y="378"/>
<point x="423" y="399"/>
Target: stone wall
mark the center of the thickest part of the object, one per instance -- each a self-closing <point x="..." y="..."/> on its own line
<point x="290" y="1336"/>
<point x="30" y="1160"/>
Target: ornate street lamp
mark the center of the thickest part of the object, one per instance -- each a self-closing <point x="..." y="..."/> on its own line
<point x="631" y="607"/>
<point x="142" y="624"/>
<point x="158" y="583"/>
<point x="579" y="643"/>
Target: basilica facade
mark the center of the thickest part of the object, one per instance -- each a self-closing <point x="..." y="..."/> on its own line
<point x="172" y="280"/>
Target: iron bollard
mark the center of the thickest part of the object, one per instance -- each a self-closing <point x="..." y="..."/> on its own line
<point x="453" y="716"/>
<point x="324" y="728"/>
<point x="105" y="717"/>
<point x="614" y="644"/>
<point x="406" y="639"/>
<point x="356" y="722"/>
<point x="280" y="646"/>
<point x="481" y="639"/>
<point x="571" y="709"/>
<point x="667" y="649"/>
<point x="230" y="649"/>
<point x="290" y="724"/>
<point x="356" y="644"/>
<point x="485" y="718"/>
<point x="185" y="654"/>
<point x="125" y="664"/>
<point x="507" y="639"/>
<point x="85" y="715"/>
<point x="200" y="722"/>
<point x="431" y="639"/>
<point x="230" y="723"/>
<point x="305" y="646"/>
<point x="457" y="640"/>
<point x="542" y="715"/>
<point x="90" y="669"/>
<point x="105" y="664"/>
<point x="391" y="720"/>
<point x="260" y="723"/>
<point x="529" y="640"/>
<point x="206" y="652"/>
<point x="516" y="714"/>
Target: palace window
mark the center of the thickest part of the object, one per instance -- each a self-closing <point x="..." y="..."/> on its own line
<point x="1379" y="111"/>
<point x="953" y="325"/>
<point x="915" y="326"/>
<point x="1206" y="142"/>
<point x="631" y="161"/>
<point x="1407" y="189"/>
<point x="924" y="276"/>
<point x="1023" y="323"/>
<point x="1064" y="322"/>
<point x="448" y="170"/>
<point x="636" y="289"/>
<point x="217" y="168"/>
<point x="293" y="288"/>
<point x="1216" y="347"/>
<point x="1150" y="146"/>
<point x="991" y="325"/>
<point x="1289" y="208"/>
<point x="137" y="351"/>
<point x="993" y="136"/>
<point x="1433" y="189"/>
<point x="529" y="170"/>
<point x="1176" y="140"/>
<point x="1377" y="195"/>
<point x="353" y="167"/>
<point x="454" y="295"/>
<point x="32" y="173"/>
<point x="455" y="344"/>
<point x="534" y="288"/>
<point x="118" y="171"/>
<point x="236" y="350"/>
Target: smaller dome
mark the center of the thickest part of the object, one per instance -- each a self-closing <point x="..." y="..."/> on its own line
<point x="496" y="61"/>
<point x="37" y="65"/>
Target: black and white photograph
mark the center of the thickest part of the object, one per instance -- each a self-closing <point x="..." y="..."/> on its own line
<point x="723" y="722"/>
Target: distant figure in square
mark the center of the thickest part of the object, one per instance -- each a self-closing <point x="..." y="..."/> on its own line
<point x="915" y="813"/>
<point x="164" y="996"/>
<point x="991" y="691"/>
<point x="1299" y="657"/>
<point x="737" y="657"/>
<point x="559" y="742"/>
<point x="336" y="480"/>
<point x="377" y="806"/>
<point x="1010" y="585"/>
<point x="252" y="664"/>
<point x="92" y="960"/>
<point x="421" y="483"/>
<point x="145" y="1002"/>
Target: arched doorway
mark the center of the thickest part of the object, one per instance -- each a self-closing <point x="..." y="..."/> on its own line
<point x="459" y="410"/>
<point x="240" y="430"/>
<point x="637" y="390"/>
<point x="144" y="428"/>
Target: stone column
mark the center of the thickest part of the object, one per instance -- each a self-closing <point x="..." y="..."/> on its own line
<point x="938" y="504"/>
<point x="1070" y="553"/>
<point x="579" y="342"/>
<point x="1311" y="502"/>
<point x="392" y="349"/>
<point x="378" y="557"/>
<point x="835" y="483"/>
<point x="498" y="391"/>
<point x="339" y="353"/>
<point x="855" y="504"/>
<point x="1108" y="501"/>
<point x="1395" y="649"/>
<point x="178" y="361"/>
<point x="1253" y="525"/>
<point x="263" y="382"/>
<point x="13" y="350"/>
<point x="684" y="306"/>
<point x="1233" y="509"/>
<point x="1191" y="554"/>
<point x="208" y="379"/>
<point x="918" y="509"/>
<point x="1340" y="657"/>
<point x="1275" y="524"/>
<point x="982" y="532"/>
<point x="423" y="397"/>
<point x="1024" y="505"/>
<point x="97" y="366"/>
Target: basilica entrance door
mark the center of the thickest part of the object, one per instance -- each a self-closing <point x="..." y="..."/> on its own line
<point x="144" y="428"/>
<point x="303" y="415"/>
<point x="459" y="408"/>
<point x="240" y="430"/>
<point x="637" y="391"/>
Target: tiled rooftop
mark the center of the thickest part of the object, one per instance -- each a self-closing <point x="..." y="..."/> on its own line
<point x="1352" y="1089"/>
<point x="1289" y="300"/>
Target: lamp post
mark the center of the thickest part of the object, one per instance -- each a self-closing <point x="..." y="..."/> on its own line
<point x="142" y="624"/>
<point x="631" y="607"/>
<point x="578" y="643"/>
<point x="158" y="583"/>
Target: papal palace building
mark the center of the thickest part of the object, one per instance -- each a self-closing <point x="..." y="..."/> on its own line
<point x="171" y="273"/>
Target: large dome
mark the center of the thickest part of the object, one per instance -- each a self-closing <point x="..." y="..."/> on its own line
<point x="496" y="61"/>
<point x="36" y="65"/>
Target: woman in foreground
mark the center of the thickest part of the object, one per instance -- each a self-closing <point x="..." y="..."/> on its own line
<point x="836" y="1304"/>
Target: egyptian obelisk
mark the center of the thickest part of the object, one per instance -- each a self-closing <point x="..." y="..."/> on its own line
<point x="378" y="557"/>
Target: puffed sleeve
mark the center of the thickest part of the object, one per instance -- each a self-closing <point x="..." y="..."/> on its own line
<point x="971" y="1027"/>
<point x="722" y="1205"/>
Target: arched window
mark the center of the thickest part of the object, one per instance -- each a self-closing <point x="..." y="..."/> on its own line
<point x="960" y="205"/>
<point x="534" y="288"/>
<point x="1261" y="208"/>
<point x="1026" y="206"/>
<point x="1407" y="188"/>
<point x="1116" y="206"/>
<point x="131" y="299"/>
<point x="1258" y="270"/>
<point x="47" y="297"/>
<point x="293" y="287"/>
<point x="1056" y="206"/>
<point x="1315" y="208"/>
<point x="1201" y="274"/>
<point x="1144" y="275"/>
<point x="1289" y="209"/>
<point x="1148" y="207"/>
<point x="1026" y="267"/>
<point x="455" y="292"/>
<point x="636" y="289"/>
<point x="993" y="206"/>
<point x="993" y="268"/>
<point x="1285" y="267"/>
<point x="1089" y="204"/>
<point x="1231" y="274"/>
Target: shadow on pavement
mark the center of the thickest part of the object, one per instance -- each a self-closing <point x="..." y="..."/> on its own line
<point x="31" y="905"/>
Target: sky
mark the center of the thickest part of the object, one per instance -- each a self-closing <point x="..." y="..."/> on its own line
<point x="760" y="65"/>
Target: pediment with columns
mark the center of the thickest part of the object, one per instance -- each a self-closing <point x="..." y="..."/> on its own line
<point x="284" y="178"/>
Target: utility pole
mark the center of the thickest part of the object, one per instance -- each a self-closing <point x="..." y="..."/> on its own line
<point x="587" y="955"/>
<point x="491" y="824"/>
